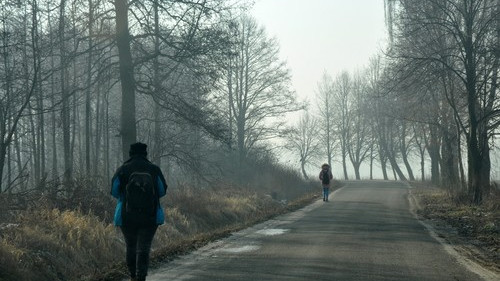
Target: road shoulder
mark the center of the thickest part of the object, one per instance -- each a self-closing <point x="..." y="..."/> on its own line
<point x="474" y="256"/>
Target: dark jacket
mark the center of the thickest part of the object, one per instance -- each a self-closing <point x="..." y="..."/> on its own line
<point x="120" y="180"/>
<point x="321" y="177"/>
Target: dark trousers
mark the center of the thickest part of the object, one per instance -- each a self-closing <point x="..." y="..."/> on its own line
<point x="138" y="240"/>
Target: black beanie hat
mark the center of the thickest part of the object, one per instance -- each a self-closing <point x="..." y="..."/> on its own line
<point x="138" y="148"/>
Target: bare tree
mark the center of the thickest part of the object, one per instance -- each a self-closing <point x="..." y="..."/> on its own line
<point x="405" y="145"/>
<point x="260" y="87"/>
<point x="162" y="56"/>
<point x="420" y="134"/>
<point x="342" y="102"/>
<point x="128" y="130"/>
<point x="20" y="86"/>
<point x="386" y="127"/>
<point x="324" y="100"/>
<point x="468" y="35"/>
<point x="358" y="144"/>
<point x="175" y="54"/>
<point x="375" y="70"/>
<point x="304" y="140"/>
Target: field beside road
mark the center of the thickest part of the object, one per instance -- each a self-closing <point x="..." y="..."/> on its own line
<point x="473" y="230"/>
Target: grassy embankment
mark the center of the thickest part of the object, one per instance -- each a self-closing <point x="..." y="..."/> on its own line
<point x="43" y="239"/>
<point x="475" y="230"/>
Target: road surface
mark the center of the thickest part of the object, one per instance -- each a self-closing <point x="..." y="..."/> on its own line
<point x="365" y="232"/>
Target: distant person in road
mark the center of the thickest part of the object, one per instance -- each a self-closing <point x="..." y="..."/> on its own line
<point x="326" y="177"/>
<point x="138" y="185"/>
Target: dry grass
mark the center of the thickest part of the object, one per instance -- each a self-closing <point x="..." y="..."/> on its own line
<point x="190" y="211"/>
<point x="50" y="241"/>
<point x="55" y="244"/>
<point x="195" y="217"/>
<point x="477" y="226"/>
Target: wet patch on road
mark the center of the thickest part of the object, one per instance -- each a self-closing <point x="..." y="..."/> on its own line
<point x="240" y="249"/>
<point x="272" y="231"/>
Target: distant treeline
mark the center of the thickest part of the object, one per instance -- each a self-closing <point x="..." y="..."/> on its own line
<point x="432" y="95"/>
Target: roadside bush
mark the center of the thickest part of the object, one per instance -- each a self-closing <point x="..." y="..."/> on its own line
<point x="69" y="235"/>
<point x="58" y="232"/>
<point x="58" y="244"/>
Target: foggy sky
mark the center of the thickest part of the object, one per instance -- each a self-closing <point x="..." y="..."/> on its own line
<point x="319" y="35"/>
<point x="322" y="35"/>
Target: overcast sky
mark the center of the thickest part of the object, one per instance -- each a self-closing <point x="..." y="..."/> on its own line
<point x="323" y="35"/>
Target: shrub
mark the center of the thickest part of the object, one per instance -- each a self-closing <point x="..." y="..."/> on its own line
<point x="57" y="244"/>
<point x="65" y="233"/>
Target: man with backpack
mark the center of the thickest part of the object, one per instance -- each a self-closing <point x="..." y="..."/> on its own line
<point x="326" y="177"/>
<point x="138" y="185"/>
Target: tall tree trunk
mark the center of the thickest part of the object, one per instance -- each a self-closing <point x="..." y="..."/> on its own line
<point x="8" y="89"/>
<point x="383" y="163"/>
<point x="463" y="180"/>
<point x="34" y="145"/>
<point x="241" y="139"/>
<point x="40" y="105"/>
<point x="478" y="149"/>
<point x="34" y="149"/>
<point x="404" y="152"/>
<point x="98" y="130"/>
<point x="65" y="111"/>
<point x="449" y="152"/>
<point x="41" y="132"/>
<point x="3" y="153"/>
<point x="356" y="170"/>
<point x="433" y="150"/>
<point x="10" y="160"/>
<point x="421" y="143"/>
<point x="88" y="111"/>
<point x="230" y="102"/>
<point x="19" y="158"/>
<point x="328" y="136"/>
<point x="422" y="166"/>
<point x="391" y="155"/>
<point x="344" y="161"/>
<point x="54" y="136"/>
<point x="128" y="129"/>
<point x="53" y="118"/>
<point x="396" y="168"/>
<point x="157" y="147"/>
<point x="303" y="169"/>
<point x="107" y="161"/>
<point x="372" y="158"/>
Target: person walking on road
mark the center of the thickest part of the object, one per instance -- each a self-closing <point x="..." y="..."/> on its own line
<point x="326" y="177"/>
<point x="138" y="185"/>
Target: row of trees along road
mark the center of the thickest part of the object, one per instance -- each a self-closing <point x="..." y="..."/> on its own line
<point x="82" y="79"/>
<point x="433" y="94"/>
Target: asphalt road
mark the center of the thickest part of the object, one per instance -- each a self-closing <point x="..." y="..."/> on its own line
<point x="365" y="232"/>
